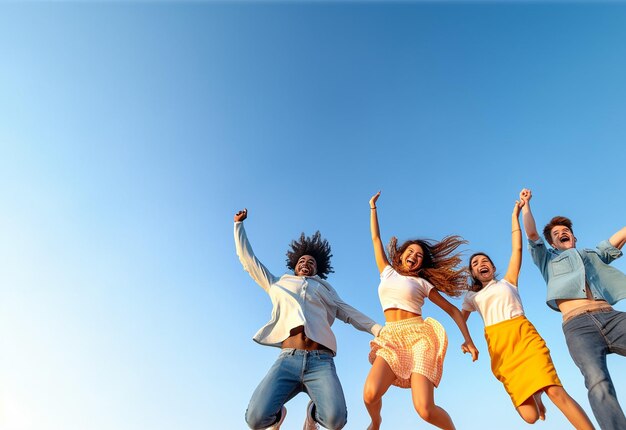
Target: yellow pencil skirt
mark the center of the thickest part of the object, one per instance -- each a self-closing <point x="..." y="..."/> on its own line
<point x="520" y="358"/>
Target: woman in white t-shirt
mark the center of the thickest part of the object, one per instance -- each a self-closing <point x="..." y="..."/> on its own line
<point x="520" y="358"/>
<point x="409" y="351"/>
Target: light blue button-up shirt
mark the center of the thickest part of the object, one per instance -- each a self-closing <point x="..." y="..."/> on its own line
<point x="307" y="301"/>
<point x="568" y="273"/>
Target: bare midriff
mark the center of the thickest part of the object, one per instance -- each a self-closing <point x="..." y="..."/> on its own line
<point x="395" y="314"/>
<point x="569" y="305"/>
<point x="298" y="340"/>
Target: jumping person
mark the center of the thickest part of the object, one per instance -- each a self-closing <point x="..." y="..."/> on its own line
<point x="582" y="286"/>
<point x="409" y="351"/>
<point x="304" y="308"/>
<point x="520" y="358"/>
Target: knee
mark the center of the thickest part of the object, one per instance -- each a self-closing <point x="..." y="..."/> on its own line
<point x="599" y="383"/>
<point x="601" y="390"/>
<point x="371" y="395"/>
<point x="530" y="418"/>
<point x="256" y="419"/>
<point x="332" y="417"/>
<point x="425" y="411"/>
<point x="336" y="422"/>
<point x="557" y="394"/>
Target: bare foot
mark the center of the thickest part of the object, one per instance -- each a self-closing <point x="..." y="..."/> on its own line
<point x="540" y="406"/>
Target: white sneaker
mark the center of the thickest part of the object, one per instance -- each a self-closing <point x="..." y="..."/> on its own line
<point x="283" y="414"/>
<point x="309" y="423"/>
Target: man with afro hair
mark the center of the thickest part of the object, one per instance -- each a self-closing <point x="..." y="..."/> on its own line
<point x="304" y="308"/>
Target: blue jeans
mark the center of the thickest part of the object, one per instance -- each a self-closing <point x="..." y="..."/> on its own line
<point x="590" y="337"/>
<point x="296" y="371"/>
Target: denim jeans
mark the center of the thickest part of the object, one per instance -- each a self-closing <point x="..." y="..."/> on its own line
<point x="590" y="337"/>
<point x="296" y="371"/>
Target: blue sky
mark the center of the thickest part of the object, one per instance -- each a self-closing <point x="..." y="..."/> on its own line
<point x="132" y="132"/>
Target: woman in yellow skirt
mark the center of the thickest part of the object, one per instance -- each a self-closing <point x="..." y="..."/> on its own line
<point x="409" y="350"/>
<point x="520" y="358"/>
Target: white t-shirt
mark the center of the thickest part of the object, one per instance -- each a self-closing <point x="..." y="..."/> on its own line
<point x="402" y="292"/>
<point x="498" y="301"/>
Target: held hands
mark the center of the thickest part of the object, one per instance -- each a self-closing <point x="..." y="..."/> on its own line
<point x="525" y="195"/>
<point x="469" y="347"/>
<point x="373" y="200"/>
<point x="241" y="215"/>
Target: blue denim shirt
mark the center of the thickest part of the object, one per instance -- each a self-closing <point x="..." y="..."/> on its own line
<point x="566" y="271"/>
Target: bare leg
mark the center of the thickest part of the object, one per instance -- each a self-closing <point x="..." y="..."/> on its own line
<point x="572" y="410"/>
<point x="540" y="405"/>
<point x="376" y="385"/>
<point x="530" y="411"/>
<point x="423" y="392"/>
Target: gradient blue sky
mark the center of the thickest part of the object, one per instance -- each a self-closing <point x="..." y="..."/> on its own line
<point x="130" y="133"/>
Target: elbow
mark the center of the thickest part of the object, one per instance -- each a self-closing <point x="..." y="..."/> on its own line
<point x="455" y="313"/>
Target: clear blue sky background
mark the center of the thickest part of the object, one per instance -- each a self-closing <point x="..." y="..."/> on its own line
<point x="131" y="133"/>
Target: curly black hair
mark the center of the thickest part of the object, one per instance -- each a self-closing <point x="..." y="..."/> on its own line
<point x="314" y="246"/>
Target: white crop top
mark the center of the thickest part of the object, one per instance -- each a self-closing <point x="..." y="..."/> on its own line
<point x="498" y="301"/>
<point x="402" y="292"/>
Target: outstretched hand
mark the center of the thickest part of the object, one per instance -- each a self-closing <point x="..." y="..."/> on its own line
<point x="469" y="347"/>
<point x="519" y="204"/>
<point x="525" y="195"/>
<point x="373" y="200"/>
<point x="241" y="215"/>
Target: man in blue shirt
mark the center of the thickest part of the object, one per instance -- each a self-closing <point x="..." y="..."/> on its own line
<point x="582" y="286"/>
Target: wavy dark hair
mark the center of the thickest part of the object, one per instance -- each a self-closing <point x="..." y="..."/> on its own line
<point x="556" y="221"/>
<point x="314" y="246"/>
<point x="439" y="264"/>
<point x="475" y="284"/>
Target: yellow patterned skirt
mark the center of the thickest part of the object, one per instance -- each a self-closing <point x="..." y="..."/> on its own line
<point x="520" y="358"/>
<point x="411" y="346"/>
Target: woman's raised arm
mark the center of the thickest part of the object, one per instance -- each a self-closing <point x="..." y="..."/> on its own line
<point x="379" y="249"/>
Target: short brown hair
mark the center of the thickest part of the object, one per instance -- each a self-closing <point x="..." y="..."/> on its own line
<point x="557" y="220"/>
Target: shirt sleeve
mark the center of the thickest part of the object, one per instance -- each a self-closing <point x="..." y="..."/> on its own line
<point x="539" y="253"/>
<point x="607" y="252"/>
<point x="387" y="272"/>
<point x="248" y="260"/>
<point x="426" y="286"/>
<point x="468" y="303"/>
<point x="509" y="283"/>
<point x="352" y="316"/>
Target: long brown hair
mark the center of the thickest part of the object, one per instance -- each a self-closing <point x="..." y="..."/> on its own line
<point x="439" y="264"/>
